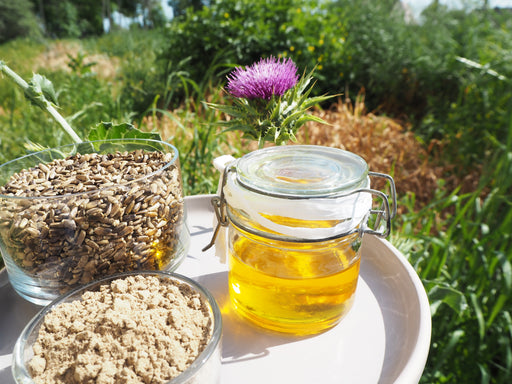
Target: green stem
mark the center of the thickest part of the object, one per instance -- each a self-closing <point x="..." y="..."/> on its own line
<point x="13" y="75"/>
<point x="63" y="123"/>
<point x="44" y="104"/>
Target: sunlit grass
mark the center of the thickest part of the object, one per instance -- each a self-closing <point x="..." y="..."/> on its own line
<point x="460" y="245"/>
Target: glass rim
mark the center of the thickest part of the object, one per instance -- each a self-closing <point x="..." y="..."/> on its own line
<point x="329" y="171"/>
<point x="174" y="160"/>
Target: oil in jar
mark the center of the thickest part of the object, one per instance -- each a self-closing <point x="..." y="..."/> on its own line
<point x="297" y="288"/>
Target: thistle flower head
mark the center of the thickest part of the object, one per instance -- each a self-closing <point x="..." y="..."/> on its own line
<point x="270" y="101"/>
<point x="263" y="79"/>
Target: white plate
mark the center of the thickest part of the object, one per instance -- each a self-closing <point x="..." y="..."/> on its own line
<point x="385" y="337"/>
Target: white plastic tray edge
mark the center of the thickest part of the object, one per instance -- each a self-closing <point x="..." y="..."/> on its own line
<point x="420" y="353"/>
<point x="413" y="369"/>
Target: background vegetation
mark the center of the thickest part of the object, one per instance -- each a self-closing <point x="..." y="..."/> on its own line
<point x="446" y="79"/>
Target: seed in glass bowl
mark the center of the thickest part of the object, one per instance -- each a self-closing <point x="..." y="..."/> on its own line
<point x="86" y="216"/>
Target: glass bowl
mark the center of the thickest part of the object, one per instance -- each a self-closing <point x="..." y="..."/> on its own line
<point x="204" y="369"/>
<point x="76" y="213"/>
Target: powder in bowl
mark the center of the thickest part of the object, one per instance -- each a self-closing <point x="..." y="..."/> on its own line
<point x="136" y="329"/>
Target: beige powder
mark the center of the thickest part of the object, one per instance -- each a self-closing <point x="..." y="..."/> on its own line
<point x="139" y="329"/>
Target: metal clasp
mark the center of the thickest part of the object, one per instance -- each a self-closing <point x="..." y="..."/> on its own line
<point x="219" y="207"/>
<point x="384" y="212"/>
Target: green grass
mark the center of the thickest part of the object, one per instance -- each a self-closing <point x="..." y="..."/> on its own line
<point x="460" y="245"/>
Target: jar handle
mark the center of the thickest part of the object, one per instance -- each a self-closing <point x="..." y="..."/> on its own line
<point x="219" y="207"/>
<point x="385" y="211"/>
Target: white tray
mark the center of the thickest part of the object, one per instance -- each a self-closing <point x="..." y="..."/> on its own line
<point x="385" y="337"/>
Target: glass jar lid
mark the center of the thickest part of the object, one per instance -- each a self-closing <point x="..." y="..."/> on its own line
<point x="302" y="171"/>
<point x="303" y="193"/>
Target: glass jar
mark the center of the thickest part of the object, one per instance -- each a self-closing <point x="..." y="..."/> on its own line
<point x="296" y="216"/>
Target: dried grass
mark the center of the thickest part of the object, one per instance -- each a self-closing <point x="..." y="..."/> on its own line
<point x="387" y="145"/>
<point x="56" y="58"/>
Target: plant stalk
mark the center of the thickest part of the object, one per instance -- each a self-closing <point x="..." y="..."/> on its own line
<point x="42" y="103"/>
<point x="63" y="123"/>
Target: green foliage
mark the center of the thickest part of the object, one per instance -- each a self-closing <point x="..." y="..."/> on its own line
<point x="141" y="76"/>
<point x="150" y="11"/>
<point x="20" y="122"/>
<point x="93" y="104"/>
<point x="197" y="139"/>
<point x="90" y="16"/>
<point x="418" y="70"/>
<point x="72" y="18"/>
<point x="108" y="130"/>
<point x="156" y="17"/>
<point x="17" y="20"/>
<point x="179" y="7"/>
<point x="475" y="52"/>
<point x="61" y="19"/>
<point x="378" y="53"/>
<point x="40" y="91"/>
<point x="21" y="54"/>
<point x="241" y="32"/>
<point x="78" y="65"/>
<point x="85" y="99"/>
<point x="464" y="259"/>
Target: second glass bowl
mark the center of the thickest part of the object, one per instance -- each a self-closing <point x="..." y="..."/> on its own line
<point x="204" y="369"/>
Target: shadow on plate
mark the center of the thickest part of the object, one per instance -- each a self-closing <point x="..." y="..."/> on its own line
<point x="16" y="312"/>
<point x="240" y="339"/>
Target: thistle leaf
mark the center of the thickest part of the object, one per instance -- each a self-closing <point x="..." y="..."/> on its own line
<point x="307" y="118"/>
<point x="316" y="100"/>
<point x="44" y="86"/>
<point x="227" y="109"/>
<point x="294" y="116"/>
<point x="108" y="130"/>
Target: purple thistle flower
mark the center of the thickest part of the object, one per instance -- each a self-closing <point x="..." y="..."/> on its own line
<point x="263" y="79"/>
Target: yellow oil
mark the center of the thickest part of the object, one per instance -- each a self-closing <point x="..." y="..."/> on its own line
<point x="297" y="288"/>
